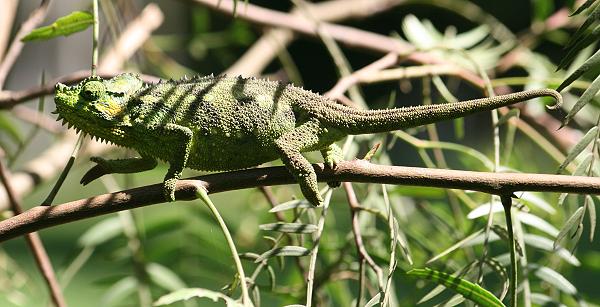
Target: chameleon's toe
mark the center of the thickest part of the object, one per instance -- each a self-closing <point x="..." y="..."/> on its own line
<point x="97" y="171"/>
<point x="169" y="189"/>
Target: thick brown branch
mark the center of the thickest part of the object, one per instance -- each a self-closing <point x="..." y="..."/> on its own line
<point x="357" y="171"/>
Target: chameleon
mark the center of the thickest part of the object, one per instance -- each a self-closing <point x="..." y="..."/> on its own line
<point x="221" y="123"/>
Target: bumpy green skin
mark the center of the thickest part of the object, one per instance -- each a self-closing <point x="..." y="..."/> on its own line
<point x="226" y="123"/>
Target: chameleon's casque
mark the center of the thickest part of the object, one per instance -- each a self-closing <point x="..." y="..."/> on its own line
<point x="225" y="123"/>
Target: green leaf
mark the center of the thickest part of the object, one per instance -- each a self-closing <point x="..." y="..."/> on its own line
<point x="289" y="227"/>
<point x="547" y="245"/>
<point x="188" y="293"/>
<point x="591" y="208"/>
<point x="572" y="222"/>
<point x="454" y="247"/>
<point x="582" y="168"/>
<point x="164" y="277"/>
<point x="585" y="98"/>
<point x="470" y="38"/>
<point x="101" y="232"/>
<point x="292" y="204"/>
<point x="417" y="33"/>
<point x="119" y="291"/>
<point x="539" y="223"/>
<point x="537" y="201"/>
<point x="484" y="210"/>
<point x="286" y="251"/>
<point x="467" y="289"/>
<point x="583" y="7"/>
<point x="374" y="300"/>
<point x="7" y="126"/>
<point x="574" y="51"/>
<point x="544" y="300"/>
<point x="66" y="25"/>
<point x="579" y="147"/>
<point x="590" y="63"/>
<point x="553" y="278"/>
<point x="591" y="19"/>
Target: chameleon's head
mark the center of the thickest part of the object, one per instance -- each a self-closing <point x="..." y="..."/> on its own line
<point x="97" y="103"/>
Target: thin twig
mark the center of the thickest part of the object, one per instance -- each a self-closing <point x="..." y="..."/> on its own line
<point x="357" y="171"/>
<point x="35" y="244"/>
<point x="360" y="247"/>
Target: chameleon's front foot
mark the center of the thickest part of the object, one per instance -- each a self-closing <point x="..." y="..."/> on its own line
<point x="101" y="168"/>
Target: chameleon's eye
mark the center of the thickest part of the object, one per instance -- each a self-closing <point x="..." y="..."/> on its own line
<point x="93" y="90"/>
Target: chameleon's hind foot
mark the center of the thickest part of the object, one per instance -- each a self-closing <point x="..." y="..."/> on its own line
<point x="331" y="156"/>
<point x="169" y="189"/>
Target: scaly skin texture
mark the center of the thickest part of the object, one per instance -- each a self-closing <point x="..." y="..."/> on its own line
<point x="227" y="123"/>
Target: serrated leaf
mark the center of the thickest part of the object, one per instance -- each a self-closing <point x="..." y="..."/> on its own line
<point x="573" y="221"/>
<point x="554" y="278"/>
<point x="579" y="147"/>
<point x="286" y="251"/>
<point x="591" y="209"/>
<point x="583" y="7"/>
<point x="539" y="223"/>
<point x="66" y="25"/>
<point x="454" y="247"/>
<point x="164" y="277"/>
<point x="467" y="289"/>
<point x="101" y="232"/>
<point x="188" y="293"/>
<point x="548" y="245"/>
<point x="289" y="227"/>
<point x="590" y="63"/>
<point x="292" y="204"/>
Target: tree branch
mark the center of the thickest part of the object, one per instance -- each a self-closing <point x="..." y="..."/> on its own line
<point x="357" y="171"/>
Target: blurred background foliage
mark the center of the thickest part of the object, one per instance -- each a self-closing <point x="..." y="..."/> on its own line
<point x="133" y="258"/>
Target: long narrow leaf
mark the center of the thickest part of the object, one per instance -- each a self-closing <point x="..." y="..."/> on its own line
<point x="585" y="98"/>
<point x="466" y="288"/>
<point x="579" y="147"/>
<point x="289" y="227"/>
<point x="572" y="222"/>
<point x="583" y="7"/>
<point x="188" y="293"/>
<point x="66" y="25"/>
<point x="590" y="63"/>
<point x="591" y="209"/>
<point x="288" y="251"/>
<point x="454" y="247"/>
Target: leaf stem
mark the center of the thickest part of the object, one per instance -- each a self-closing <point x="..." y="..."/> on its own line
<point x="507" y="204"/>
<point x="203" y="195"/>
<point x="96" y="34"/>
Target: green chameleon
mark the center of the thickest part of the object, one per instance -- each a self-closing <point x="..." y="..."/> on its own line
<point x="226" y="123"/>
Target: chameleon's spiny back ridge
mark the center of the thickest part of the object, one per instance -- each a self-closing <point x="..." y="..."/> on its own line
<point x="356" y="121"/>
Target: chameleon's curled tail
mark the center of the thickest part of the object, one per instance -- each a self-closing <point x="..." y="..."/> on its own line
<point x="356" y="121"/>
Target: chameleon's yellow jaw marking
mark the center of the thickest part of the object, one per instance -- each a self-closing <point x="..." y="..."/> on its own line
<point x="109" y="107"/>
